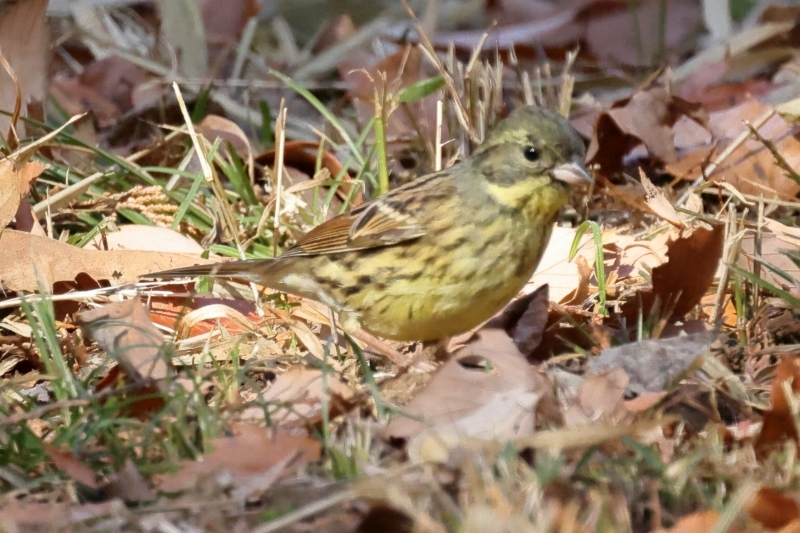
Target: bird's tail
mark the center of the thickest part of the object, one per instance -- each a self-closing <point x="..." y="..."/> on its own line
<point x="249" y="270"/>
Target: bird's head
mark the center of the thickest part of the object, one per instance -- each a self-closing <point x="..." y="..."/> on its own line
<point x="530" y="150"/>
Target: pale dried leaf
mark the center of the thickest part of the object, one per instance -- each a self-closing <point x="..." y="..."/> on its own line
<point x="487" y="391"/>
<point x="146" y="238"/>
<point x="555" y="269"/>
<point x="19" y="515"/>
<point x="249" y="461"/>
<point x="601" y="395"/>
<point x="300" y="391"/>
<point x="125" y="332"/>
<point x="14" y="184"/>
<point x="752" y="168"/>
<point x="24" y="42"/>
<point x="28" y="259"/>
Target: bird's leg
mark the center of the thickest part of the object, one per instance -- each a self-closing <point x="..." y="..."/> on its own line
<point x="379" y="347"/>
<point x="438" y="349"/>
<point x="350" y="325"/>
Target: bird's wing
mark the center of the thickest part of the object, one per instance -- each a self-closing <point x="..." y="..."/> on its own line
<point x="382" y="222"/>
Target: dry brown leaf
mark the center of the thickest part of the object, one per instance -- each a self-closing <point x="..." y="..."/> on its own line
<point x="701" y="522"/>
<point x="125" y="332"/>
<point x="526" y="329"/>
<point x="216" y="315"/>
<point x="646" y="118"/>
<point x="28" y="259"/>
<point x="72" y="466"/>
<point x="647" y="198"/>
<point x="524" y="319"/>
<point x="751" y="168"/>
<point x="773" y="247"/>
<point x="625" y="257"/>
<point x="26" y="220"/>
<point x="791" y="527"/>
<point x="487" y="391"/>
<point x="14" y="184"/>
<point x="300" y="391"/>
<point x="778" y="423"/>
<point x="691" y="165"/>
<point x="597" y="397"/>
<point x="24" y="42"/>
<point x="628" y="257"/>
<point x="581" y="292"/>
<point x="681" y="282"/>
<point x="645" y="401"/>
<point x="18" y="515"/>
<point x="601" y="395"/>
<point x="214" y="127"/>
<point x="129" y="485"/>
<point x="105" y="88"/>
<point x="223" y="25"/>
<point x="302" y="156"/>
<point x="772" y="509"/>
<point x="250" y="461"/>
<point x="171" y="312"/>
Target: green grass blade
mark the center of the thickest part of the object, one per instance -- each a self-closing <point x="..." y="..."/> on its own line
<point x="599" y="266"/>
<point x="790" y="299"/>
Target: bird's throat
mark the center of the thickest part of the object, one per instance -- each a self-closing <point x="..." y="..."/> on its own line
<point x="543" y="200"/>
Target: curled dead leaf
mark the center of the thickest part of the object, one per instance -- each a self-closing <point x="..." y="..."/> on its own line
<point x="125" y="332"/>
<point x="487" y="391"/>
<point x="14" y="184"/>
<point x="681" y="282"/>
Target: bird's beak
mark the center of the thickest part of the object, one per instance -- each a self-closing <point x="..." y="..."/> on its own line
<point x="573" y="173"/>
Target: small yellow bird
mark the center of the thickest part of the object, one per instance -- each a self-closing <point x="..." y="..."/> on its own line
<point x="443" y="253"/>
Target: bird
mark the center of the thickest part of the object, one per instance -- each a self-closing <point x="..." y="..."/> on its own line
<point x="443" y="253"/>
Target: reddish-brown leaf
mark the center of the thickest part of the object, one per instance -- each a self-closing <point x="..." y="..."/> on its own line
<point x="647" y="117"/>
<point x="778" y="425"/>
<point x="772" y="509"/>
<point x="253" y="457"/>
<point x="681" y="282"/>
<point x="72" y="466"/>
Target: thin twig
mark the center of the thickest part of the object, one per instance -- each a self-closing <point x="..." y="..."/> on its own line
<point x="754" y="198"/>
<point x="39" y="412"/>
<point x="305" y="512"/>
<point x="438" y="148"/>
<point x="280" y="130"/>
<point x="724" y="155"/>
<point x="430" y="52"/>
<point x="213" y="181"/>
<point x="779" y="159"/>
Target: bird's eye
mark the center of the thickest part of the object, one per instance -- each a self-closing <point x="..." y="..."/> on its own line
<point x="531" y="153"/>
